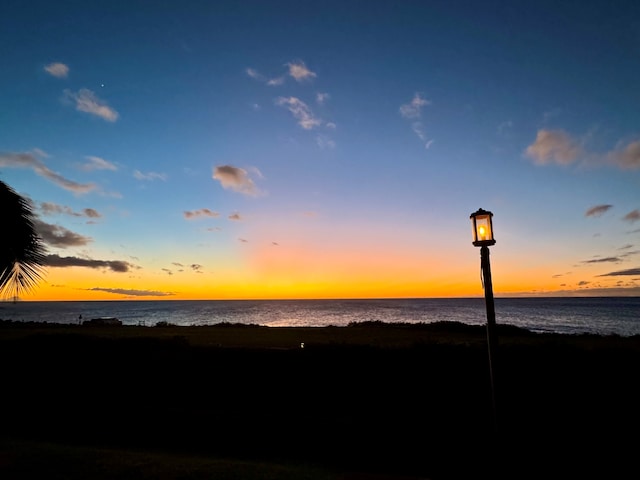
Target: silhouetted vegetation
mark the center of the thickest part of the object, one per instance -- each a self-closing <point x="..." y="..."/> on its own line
<point x="392" y="399"/>
<point x="22" y="252"/>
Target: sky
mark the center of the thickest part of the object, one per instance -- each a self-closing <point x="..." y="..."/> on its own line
<point x="324" y="149"/>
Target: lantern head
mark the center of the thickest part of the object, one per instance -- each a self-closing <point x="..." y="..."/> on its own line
<point x="482" y="228"/>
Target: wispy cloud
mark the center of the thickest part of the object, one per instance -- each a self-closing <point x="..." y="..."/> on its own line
<point x="131" y="292"/>
<point x="604" y="260"/>
<point x="203" y="212"/>
<point x="87" y="101"/>
<point x="321" y="98"/>
<point x="235" y="217"/>
<point x="272" y="82"/>
<point x="325" y="142"/>
<point x="254" y="74"/>
<point x="632" y="216"/>
<point x="622" y="273"/>
<point x="149" y="176"/>
<point x="626" y="157"/>
<point x="553" y="146"/>
<point x="118" y="266"/>
<point x="597" y="210"/>
<point x="236" y="179"/>
<point x="299" y="71"/>
<point x="413" y="109"/>
<point x="97" y="163"/>
<point x="48" y="208"/>
<point x="30" y="160"/>
<point x="58" y="236"/>
<point x="557" y="146"/>
<point x="301" y="111"/>
<point x="58" y="70"/>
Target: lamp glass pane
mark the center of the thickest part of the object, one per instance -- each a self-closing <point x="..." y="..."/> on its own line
<point x="483" y="228"/>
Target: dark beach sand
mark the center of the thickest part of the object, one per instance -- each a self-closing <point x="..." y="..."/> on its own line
<point x="368" y="401"/>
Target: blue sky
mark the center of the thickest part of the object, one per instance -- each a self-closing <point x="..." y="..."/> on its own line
<point x="324" y="149"/>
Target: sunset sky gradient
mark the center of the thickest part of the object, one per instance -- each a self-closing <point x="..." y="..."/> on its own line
<point x="335" y="149"/>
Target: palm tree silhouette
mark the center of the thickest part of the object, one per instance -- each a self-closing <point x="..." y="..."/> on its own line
<point x="22" y="253"/>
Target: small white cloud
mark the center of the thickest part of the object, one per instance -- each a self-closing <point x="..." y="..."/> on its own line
<point x="149" y="176"/>
<point x="553" y="146"/>
<point x="299" y="71"/>
<point x="330" y="125"/>
<point x="236" y="179"/>
<point x="87" y="101"/>
<point x="413" y="109"/>
<point x="301" y="111"/>
<point x="58" y="70"/>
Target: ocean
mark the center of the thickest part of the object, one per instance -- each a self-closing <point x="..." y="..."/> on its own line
<point x="600" y="315"/>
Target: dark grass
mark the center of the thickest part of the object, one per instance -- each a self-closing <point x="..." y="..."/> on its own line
<point x="379" y="399"/>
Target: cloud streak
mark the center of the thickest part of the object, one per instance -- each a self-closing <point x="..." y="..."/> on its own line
<point x="272" y="82"/>
<point x="557" y="146"/>
<point x="97" y="163"/>
<point x="131" y="292"/>
<point x="118" y="266"/>
<point x="149" y="176"/>
<point x="597" y="210"/>
<point x="203" y="212"/>
<point x="87" y="101"/>
<point x="301" y="112"/>
<point x="621" y="273"/>
<point x="57" y="236"/>
<point x="48" y="208"/>
<point x="413" y="111"/>
<point x="29" y="160"/>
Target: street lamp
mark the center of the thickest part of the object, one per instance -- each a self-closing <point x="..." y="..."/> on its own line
<point x="482" y="229"/>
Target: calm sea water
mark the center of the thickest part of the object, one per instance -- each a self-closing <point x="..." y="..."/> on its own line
<point x="603" y="315"/>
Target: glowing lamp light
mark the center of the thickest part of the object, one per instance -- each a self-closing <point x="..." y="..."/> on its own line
<point x="482" y="228"/>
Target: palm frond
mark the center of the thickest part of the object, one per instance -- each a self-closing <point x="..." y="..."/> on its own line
<point x="22" y="253"/>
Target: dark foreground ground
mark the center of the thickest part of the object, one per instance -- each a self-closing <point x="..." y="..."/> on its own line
<point x="368" y="401"/>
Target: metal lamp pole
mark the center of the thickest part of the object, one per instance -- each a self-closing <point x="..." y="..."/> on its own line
<point x="492" y="339"/>
<point x="482" y="228"/>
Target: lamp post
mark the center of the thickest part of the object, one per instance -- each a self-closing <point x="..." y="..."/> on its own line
<point x="482" y="229"/>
